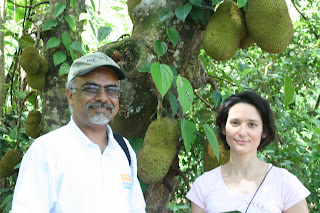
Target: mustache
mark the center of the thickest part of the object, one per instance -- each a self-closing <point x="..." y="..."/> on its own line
<point x="99" y="104"/>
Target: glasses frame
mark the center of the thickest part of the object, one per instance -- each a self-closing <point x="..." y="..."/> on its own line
<point x="98" y="89"/>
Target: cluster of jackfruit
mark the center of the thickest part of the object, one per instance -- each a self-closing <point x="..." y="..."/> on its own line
<point x="8" y="162"/>
<point x="35" y="66"/>
<point x="265" y="22"/>
<point x="32" y="126"/>
<point x="210" y="160"/>
<point x="131" y="5"/>
<point x="158" y="151"/>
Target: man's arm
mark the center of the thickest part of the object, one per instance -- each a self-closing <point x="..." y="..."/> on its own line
<point x="33" y="188"/>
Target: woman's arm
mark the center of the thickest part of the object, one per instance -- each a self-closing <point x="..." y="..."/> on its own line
<point x="196" y="209"/>
<point x="300" y="207"/>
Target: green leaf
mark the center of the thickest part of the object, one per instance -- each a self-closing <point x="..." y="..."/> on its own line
<point x="48" y="25"/>
<point x="6" y="200"/>
<point x="196" y="2"/>
<point x="213" y="141"/>
<point x="173" y="36"/>
<point x="215" y="2"/>
<point x="103" y="32"/>
<point x="183" y="11"/>
<point x="288" y="90"/>
<point x="64" y="69"/>
<point x="173" y="103"/>
<point x="59" y="9"/>
<point x="146" y="67"/>
<point x="188" y="130"/>
<point x="185" y="92"/>
<point x="160" y="47"/>
<point x="71" y="23"/>
<point x="66" y="39"/>
<point x="77" y="46"/>
<point x="165" y="14"/>
<point x="162" y="77"/>
<point x="242" y="3"/>
<point x="137" y="144"/>
<point x="52" y="42"/>
<point x="73" y="3"/>
<point x="197" y="14"/>
<point x="217" y="97"/>
<point x="58" y="58"/>
<point x="25" y="41"/>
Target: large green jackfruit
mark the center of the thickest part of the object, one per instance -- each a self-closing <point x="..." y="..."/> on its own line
<point x="269" y="23"/>
<point x="33" y="121"/>
<point x="158" y="151"/>
<point x="8" y="162"/>
<point x="224" y="31"/>
<point x="210" y="160"/>
<point x="38" y="80"/>
<point x="30" y="60"/>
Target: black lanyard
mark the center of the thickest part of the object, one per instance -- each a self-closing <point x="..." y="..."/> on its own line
<point x="258" y="189"/>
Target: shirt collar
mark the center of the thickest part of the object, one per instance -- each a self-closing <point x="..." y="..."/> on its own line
<point x="86" y="141"/>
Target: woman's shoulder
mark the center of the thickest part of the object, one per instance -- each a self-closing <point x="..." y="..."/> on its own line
<point x="210" y="175"/>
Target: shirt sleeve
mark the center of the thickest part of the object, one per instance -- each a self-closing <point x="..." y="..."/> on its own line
<point x="137" y="203"/>
<point x="196" y="193"/>
<point x="33" y="192"/>
<point x="293" y="190"/>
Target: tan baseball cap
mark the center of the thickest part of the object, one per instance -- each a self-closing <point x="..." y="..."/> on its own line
<point x="87" y="63"/>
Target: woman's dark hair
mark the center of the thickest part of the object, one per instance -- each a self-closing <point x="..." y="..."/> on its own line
<point x="269" y="127"/>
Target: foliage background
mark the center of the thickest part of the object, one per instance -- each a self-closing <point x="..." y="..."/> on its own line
<point x="297" y="121"/>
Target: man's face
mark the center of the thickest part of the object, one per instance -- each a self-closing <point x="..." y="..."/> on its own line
<point x="90" y="109"/>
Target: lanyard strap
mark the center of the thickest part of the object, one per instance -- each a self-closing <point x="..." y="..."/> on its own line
<point x="258" y="189"/>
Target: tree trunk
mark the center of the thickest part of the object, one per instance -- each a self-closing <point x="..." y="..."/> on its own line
<point x="2" y="62"/>
<point x="55" y="115"/>
<point x="138" y="101"/>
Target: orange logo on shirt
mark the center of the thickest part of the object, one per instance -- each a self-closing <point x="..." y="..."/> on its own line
<point x="126" y="177"/>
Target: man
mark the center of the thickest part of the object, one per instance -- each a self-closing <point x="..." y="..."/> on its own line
<point x="80" y="167"/>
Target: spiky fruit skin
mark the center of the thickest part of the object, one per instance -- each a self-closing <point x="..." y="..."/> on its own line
<point x="30" y="59"/>
<point x="224" y="31"/>
<point x="33" y="121"/>
<point x="44" y="65"/>
<point x="210" y="160"/>
<point x="269" y="23"/>
<point x="159" y="150"/>
<point x="36" y="81"/>
<point x="8" y="162"/>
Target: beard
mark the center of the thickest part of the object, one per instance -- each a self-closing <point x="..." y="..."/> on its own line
<point x="99" y="118"/>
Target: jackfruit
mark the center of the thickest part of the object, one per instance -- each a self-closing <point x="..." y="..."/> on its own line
<point x="224" y="31"/>
<point x="269" y="23"/>
<point x="33" y="121"/>
<point x="246" y="42"/>
<point x="38" y="80"/>
<point x="158" y="151"/>
<point x="210" y="160"/>
<point x="8" y="162"/>
<point x="131" y="5"/>
<point x="30" y="59"/>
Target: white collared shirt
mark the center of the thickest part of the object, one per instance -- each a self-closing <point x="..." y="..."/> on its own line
<point x="65" y="172"/>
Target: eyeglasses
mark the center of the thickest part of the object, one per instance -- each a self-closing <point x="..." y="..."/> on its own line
<point x="93" y="91"/>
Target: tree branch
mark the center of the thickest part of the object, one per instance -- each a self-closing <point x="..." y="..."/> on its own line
<point x="31" y="6"/>
<point x="204" y="101"/>
<point x="185" y="179"/>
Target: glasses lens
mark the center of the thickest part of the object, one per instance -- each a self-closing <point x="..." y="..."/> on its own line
<point x="91" y="90"/>
<point x="112" y="92"/>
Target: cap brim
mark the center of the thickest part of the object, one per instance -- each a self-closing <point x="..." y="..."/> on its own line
<point x="120" y="74"/>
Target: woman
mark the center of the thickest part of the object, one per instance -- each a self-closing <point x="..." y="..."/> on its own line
<point x="246" y="183"/>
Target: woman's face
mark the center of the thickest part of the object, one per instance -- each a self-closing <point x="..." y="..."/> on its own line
<point x="244" y="128"/>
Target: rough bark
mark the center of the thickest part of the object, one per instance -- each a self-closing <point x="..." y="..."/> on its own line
<point x="2" y="63"/>
<point x="138" y="101"/>
<point x="55" y="115"/>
